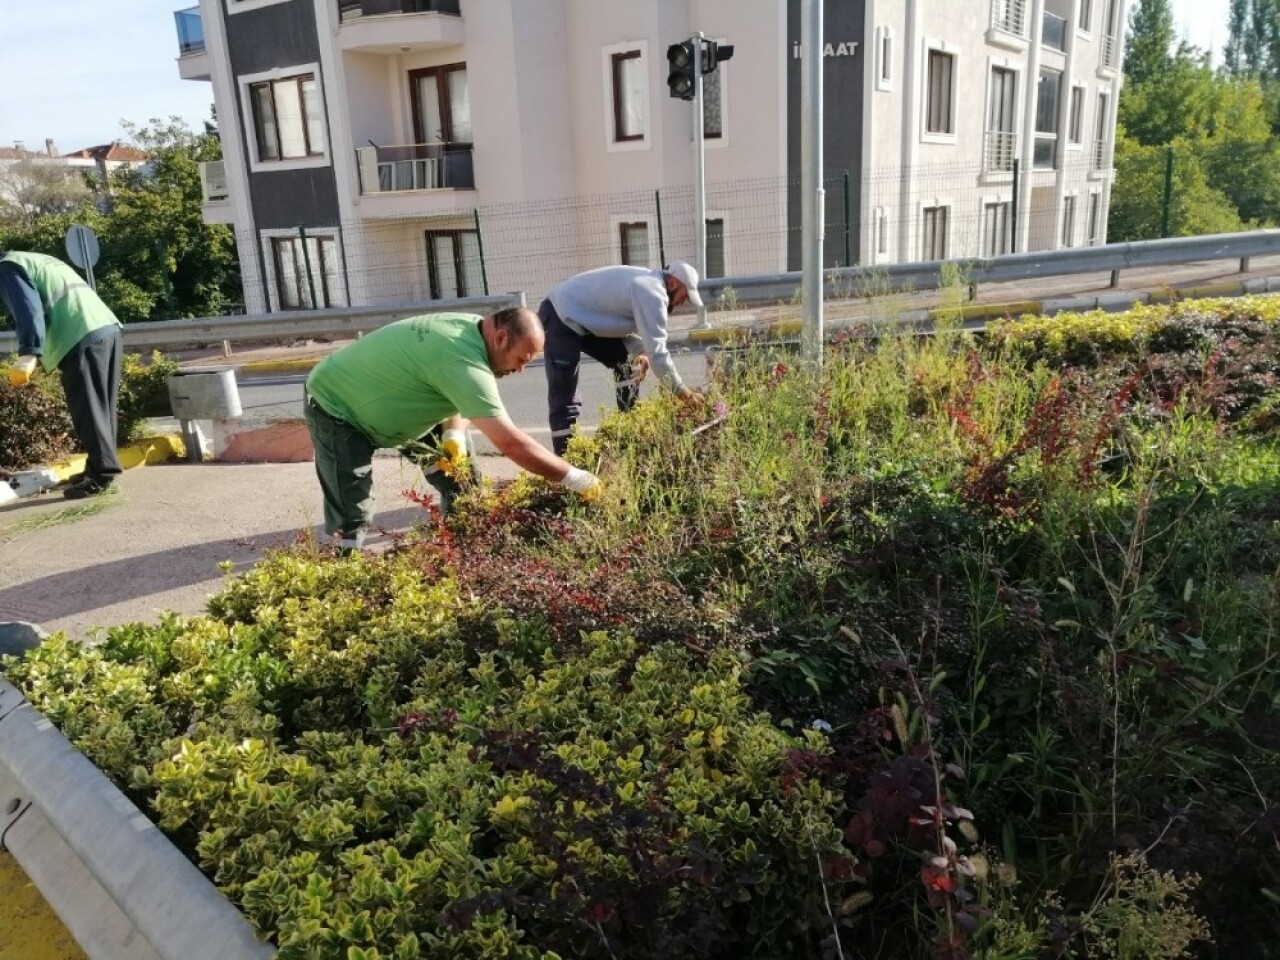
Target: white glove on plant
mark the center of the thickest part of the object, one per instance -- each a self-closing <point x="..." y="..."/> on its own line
<point x="582" y="482"/>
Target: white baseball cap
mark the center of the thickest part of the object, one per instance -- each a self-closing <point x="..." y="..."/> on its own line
<point x="689" y="277"/>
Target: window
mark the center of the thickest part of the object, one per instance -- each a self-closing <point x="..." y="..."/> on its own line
<point x="712" y="109"/>
<point x="882" y="232"/>
<point x="1002" y="120"/>
<point x="628" y="96"/>
<point x="1100" y="128"/>
<point x="303" y="268"/>
<point x="995" y="228"/>
<point x="1048" y="95"/>
<point x="635" y="243"/>
<point x="884" y="57"/>
<point x="1085" y="15"/>
<point x="1069" y="221"/>
<point x="939" y="112"/>
<point x="715" y="248"/>
<point x="1075" y="125"/>
<point x="287" y="120"/>
<point x="453" y="264"/>
<point x="1095" y="218"/>
<point x="934" y="245"/>
<point x="441" y="100"/>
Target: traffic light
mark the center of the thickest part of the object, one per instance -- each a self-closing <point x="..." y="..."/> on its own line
<point x="680" y="58"/>
<point x="715" y="54"/>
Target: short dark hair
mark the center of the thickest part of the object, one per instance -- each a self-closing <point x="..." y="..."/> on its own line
<point x="520" y="321"/>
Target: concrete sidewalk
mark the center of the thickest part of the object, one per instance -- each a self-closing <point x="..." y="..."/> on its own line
<point x="156" y="542"/>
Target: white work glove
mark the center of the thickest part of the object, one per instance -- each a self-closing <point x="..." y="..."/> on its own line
<point x="582" y="482"/>
<point x="19" y="373"/>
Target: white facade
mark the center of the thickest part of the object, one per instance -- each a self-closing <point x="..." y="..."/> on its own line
<point x="574" y="140"/>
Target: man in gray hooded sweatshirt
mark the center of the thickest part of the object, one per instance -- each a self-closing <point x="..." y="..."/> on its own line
<point x="618" y="317"/>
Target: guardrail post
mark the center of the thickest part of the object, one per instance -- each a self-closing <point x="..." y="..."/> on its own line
<point x="1244" y="264"/>
<point x="1115" y="279"/>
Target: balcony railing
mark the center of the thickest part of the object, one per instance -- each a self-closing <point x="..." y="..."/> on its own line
<point x="190" y="31"/>
<point x="213" y="181"/>
<point x="1101" y="155"/>
<point x="415" y="166"/>
<point x="1110" y="52"/>
<point x="1053" y="31"/>
<point x="1009" y="16"/>
<point x="350" y="9"/>
<point x="998" y="151"/>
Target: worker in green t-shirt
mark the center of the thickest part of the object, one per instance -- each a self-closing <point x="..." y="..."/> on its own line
<point x="396" y="384"/>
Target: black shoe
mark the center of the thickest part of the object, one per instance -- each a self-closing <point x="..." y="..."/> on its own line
<point x="86" y="488"/>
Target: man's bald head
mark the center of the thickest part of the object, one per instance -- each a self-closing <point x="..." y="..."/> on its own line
<point x="513" y="337"/>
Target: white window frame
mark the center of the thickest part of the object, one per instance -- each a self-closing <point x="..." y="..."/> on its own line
<point x="929" y="204"/>
<point x="615" y="232"/>
<point x="1078" y="142"/>
<point x="983" y="203"/>
<point x="606" y="61"/>
<point x="243" y="6"/>
<point x="931" y="46"/>
<point x="881" y="242"/>
<point x="1067" y="239"/>
<point x="1093" y="239"/>
<point x="265" y="237"/>
<point x="1085" y="31"/>
<point x="1019" y="92"/>
<point x="256" y="163"/>
<point x="884" y="58"/>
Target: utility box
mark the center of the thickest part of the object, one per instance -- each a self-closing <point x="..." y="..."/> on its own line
<point x="203" y="393"/>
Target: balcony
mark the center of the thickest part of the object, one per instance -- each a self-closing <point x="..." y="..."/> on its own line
<point x="1053" y="32"/>
<point x="999" y="149"/>
<point x="399" y="26"/>
<point x="1009" y="16"/>
<point x="193" y="59"/>
<point x="1100" y="157"/>
<point x="415" y="166"/>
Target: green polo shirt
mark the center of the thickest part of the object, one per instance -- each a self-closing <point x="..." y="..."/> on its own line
<point x="398" y="382"/>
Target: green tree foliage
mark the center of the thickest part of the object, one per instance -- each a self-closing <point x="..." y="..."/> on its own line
<point x="1147" y="47"/>
<point x="1197" y="207"/>
<point x="159" y="259"/>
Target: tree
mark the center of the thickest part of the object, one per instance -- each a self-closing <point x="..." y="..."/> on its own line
<point x="1197" y="207"/>
<point x="1238" y="19"/>
<point x="1150" y="40"/>
<point x="31" y="189"/>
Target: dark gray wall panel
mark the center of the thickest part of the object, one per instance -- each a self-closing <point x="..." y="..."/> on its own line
<point x="843" y="100"/>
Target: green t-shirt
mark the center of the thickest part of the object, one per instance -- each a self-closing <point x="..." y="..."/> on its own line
<point x="398" y="382"/>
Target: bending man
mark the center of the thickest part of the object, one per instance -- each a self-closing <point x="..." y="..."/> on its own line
<point x="65" y="326"/>
<point x="617" y="316"/>
<point x="396" y="384"/>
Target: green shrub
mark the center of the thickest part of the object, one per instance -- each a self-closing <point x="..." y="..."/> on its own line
<point x="35" y="426"/>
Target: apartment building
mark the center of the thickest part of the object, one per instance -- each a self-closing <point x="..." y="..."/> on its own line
<point x="378" y="151"/>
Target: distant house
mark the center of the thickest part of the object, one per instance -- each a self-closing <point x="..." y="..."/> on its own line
<point x="105" y="158"/>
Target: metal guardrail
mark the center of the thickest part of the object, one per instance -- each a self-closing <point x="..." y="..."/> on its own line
<point x="337" y="322"/>
<point x="846" y="282"/>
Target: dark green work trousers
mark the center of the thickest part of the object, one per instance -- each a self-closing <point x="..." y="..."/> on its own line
<point x="344" y="466"/>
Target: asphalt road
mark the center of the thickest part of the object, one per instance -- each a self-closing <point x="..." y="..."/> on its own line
<point x="525" y="394"/>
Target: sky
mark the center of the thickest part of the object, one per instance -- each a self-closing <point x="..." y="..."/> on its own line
<point x="71" y="70"/>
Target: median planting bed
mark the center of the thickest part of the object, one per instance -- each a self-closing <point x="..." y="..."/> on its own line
<point x="958" y="649"/>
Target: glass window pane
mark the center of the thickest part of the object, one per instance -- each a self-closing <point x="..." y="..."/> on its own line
<point x="311" y="104"/>
<point x="444" y="274"/>
<point x="288" y="104"/>
<point x="472" y="277"/>
<point x="459" y="106"/>
<point x="629" y="96"/>
<point x="430" y="123"/>
<point x="939" y="106"/>
<point x="287" y="289"/>
<point x="265" y="117"/>
<point x="1047" y="94"/>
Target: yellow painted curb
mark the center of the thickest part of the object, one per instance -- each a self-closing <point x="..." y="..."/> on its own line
<point x="279" y="366"/>
<point x="784" y="328"/>
<point x="982" y="311"/>
<point x="159" y="449"/>
<point x="720" y="335"/>
<point x="1226" y="288"/>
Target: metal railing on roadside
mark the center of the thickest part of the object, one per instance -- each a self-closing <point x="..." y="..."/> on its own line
<point x="849" y="282"/>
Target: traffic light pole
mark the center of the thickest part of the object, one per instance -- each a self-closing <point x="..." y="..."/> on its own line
<point x="699" y="172"/>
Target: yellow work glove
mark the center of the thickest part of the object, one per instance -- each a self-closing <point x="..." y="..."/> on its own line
<point x="584" y="483"/>
<point x="453" y="450"/>
<point x="19" y="374"/>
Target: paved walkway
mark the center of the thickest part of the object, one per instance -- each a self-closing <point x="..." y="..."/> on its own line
<point x="157" y="543"/>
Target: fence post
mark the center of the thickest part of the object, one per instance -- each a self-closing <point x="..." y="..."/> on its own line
<point x="1013" y="230"/>
<point x="306" y="259"/>
<point x="1168" y="192"/>
<point x="848" y="247"/>
<point x="662" y="245"/>
<point x="484" y="270"/>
